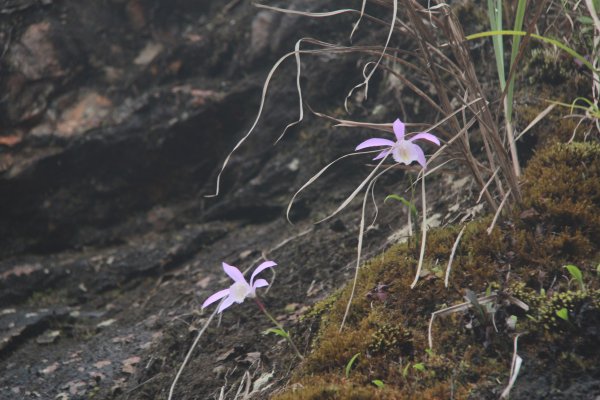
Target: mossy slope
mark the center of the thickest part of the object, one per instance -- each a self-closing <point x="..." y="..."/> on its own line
<point x="557" y="224"/>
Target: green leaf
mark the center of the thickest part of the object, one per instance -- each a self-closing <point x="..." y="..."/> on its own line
<point x="585" y="20"/>
<point x="350" y="364"/>
<point x="405" y="370"/>
<point x="563" y="313"/>
<point x="407" y="203"/>
<point x="378" y="383"/>
<point x="429" y="352"/>
<point x="278" y="332"/>
<point x="419" y="367"/>
<point x="576" y="274"/>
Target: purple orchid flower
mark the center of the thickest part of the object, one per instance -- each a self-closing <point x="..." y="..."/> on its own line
<point x="403" y="151"/>
<point x="240" y="289"/>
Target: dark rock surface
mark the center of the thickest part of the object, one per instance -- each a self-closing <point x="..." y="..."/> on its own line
<point x="114" y="120"/>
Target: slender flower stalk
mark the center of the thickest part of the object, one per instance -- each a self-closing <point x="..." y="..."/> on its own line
<point x="262" y="308"/>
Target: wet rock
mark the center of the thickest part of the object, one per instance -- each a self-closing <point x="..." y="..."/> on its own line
<point x="19" y="326"/>
<point x="148" y="53"/>
<point x="129" y="365"/>
<point x="35" y="55"/>
<point x="90" y="111"/>
<point x="48" y="337"/>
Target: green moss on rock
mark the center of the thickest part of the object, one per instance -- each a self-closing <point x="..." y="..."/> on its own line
<point x="558" y="223"/>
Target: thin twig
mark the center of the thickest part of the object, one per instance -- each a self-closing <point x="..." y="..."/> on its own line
<point x="360" y="240"/>
<point x="189" y="353"/>
<point x="514" y="369"/>
<point x="452" y="255"/>
<point x="491" y="227"/>
<point x="423" y="233"/>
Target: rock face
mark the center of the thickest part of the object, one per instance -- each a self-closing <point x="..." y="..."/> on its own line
<point x="114" y="121"/>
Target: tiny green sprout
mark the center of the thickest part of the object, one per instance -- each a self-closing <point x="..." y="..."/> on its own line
<point x="532" y="318"/>
<point x="278" y="332"/>
<point x="405" y="370"/>
<point x="429" y="352"/>
<point x="598" y="269"/>
<point x="511" y="322"/>
<point x="576" y="274"/>
<point x="407" y="203"/>
<point x="419" y="367"/>
<point x="378" y="382"/>
<point x="542" y="292"/>
<point x="488" y="290"/>
<point x="350" y="364"/>
<point x="563" y="314"/>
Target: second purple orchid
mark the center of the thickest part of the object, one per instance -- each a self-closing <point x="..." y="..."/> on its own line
<point x="241" y="289"/>
<point x="403" y="150"/>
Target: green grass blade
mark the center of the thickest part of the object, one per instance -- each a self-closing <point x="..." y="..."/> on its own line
<point x="513" y="55"/>
<point x="554" y="42"/>
<point x="407" y="203"/>
<point x="495" y="17"/>
<point x="350" y="364"/>
<point x="278" y="332"/>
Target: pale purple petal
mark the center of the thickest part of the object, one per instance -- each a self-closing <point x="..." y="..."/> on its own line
<point x="233" y="273"/>
<point x="383" y="154"/>
<point x="217" y="296"/>
<point x="260" y="283"/>
<point x="426" y="136"/>
<point x="226" y="303"/>
<point x="260" y="268"/>
<point x="399" y="129"/>
<point x="374" y="142"/>
<point x="419" y="155"/>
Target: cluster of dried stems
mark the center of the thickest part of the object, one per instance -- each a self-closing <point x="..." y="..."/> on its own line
<point x="443" y="74"/>
<point x="441" y="51"/>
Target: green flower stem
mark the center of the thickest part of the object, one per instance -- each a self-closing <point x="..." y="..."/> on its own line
<point x="262" y="308"/>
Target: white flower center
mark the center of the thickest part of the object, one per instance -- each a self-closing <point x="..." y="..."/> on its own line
<point x="402" y="152"/>
<point x="239" y="291"/>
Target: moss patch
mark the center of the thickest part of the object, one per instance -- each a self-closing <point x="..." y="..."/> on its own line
<point x="523" y="258"/>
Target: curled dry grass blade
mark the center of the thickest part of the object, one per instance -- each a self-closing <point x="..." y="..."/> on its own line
<point x="355" y="192"/>
<point x="260" y="109"/>
<point x="423" y="232"/>
<point x="361" y="230"/>
<point x="429" y="47"/>
<point x="316" y="176"/>
<point x="357" y="23"/>
<point x="189" y="353"/>
<point x="296" y="53"/>
<point x="368" y="76"/>
<point x="515" y="367"/>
